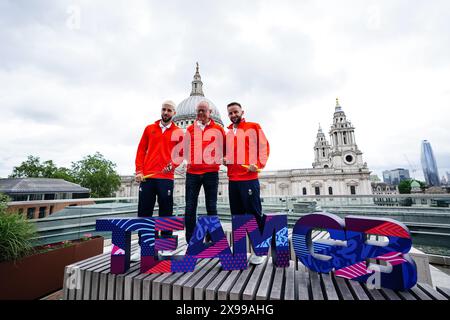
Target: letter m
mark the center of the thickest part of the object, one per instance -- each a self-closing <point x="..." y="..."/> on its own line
<point x="274" y="231"/>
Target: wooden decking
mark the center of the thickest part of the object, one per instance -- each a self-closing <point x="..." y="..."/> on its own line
<point x="91" y="280"/>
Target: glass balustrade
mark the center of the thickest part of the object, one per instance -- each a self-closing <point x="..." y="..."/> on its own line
<point x="427" y="216"/>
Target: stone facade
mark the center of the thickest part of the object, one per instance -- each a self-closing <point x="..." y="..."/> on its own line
<point x="282" y="183"/>
<point x="387" y="190"/>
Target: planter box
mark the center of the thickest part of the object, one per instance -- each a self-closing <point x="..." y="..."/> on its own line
<point x="38" y="275"/>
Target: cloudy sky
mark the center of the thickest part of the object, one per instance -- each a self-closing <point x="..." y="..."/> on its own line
<point x="78" y="76"/>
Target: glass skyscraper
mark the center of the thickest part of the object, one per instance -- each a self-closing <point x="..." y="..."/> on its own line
<point x="429" y="166"/>
<point x="395" y="176"/>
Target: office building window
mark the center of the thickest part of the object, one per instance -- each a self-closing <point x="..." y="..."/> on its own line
<point x="34" y="197"/>
<point x="49" y="196"/>
<point x="317" y="189"/>
<point x="352" y="190"/>
<point x="19" y="197"/>
<point x="304" y="191"/>
<point x="30" y="213"/>
<point x="42" y="212"/>
<point x="330" y="190"/>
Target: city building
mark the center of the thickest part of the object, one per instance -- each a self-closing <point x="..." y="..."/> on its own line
<point x="385" y="189"/>
<point x="415" y="187"/>
<point x="338" y="167"/>
<point x="430" y="171"/>
<point x="395" y="176"/>
<point x="445" y="180"/>
<point x="28" y="195"/>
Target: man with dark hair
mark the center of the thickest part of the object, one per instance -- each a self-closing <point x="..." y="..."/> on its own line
<point x="235" y="104"/>
<point x="155" y="168"/>
<point x="247" y="151"/>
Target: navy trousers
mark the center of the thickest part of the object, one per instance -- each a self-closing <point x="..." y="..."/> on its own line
<point x="149" y="191"/>
<point x="210" y="183"/>
<point x="244" y="198"/>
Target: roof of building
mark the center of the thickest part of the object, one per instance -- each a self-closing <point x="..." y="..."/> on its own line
<point x="415" y="184"/>
<point x="94" y="208"/>
<point x="39" y="185"/>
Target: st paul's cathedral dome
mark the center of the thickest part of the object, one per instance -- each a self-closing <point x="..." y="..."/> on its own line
<point x="186" y="113"/>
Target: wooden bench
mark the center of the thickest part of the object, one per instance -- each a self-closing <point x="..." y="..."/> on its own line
<point x="91" y="280"/>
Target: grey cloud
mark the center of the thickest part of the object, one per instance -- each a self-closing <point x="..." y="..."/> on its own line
<point x="96" y="86"/>
<point x="41" y="114"/>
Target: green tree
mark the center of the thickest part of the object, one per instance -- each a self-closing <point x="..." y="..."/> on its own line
<point x="404" y="187"/>
<point x="33" y="168"/>
<point x="98" y="174"/>
<point x="4" y="199"/>
<point x="93" y="172"/>
<point x="64" y="173"/>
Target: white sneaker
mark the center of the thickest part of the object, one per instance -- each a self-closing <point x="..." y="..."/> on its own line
<point x="254" y="259"/>
<point x="165" y="253"/>
<point x="136" y="256"/>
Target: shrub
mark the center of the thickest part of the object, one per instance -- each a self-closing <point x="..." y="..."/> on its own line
<point x="4" y="199"/>
<point x="16" y="235"/>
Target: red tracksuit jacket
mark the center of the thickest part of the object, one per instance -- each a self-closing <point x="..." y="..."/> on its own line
<point x="201" y="146"/>
<point x="248" y="146"/>
<point x="154" y="152"/>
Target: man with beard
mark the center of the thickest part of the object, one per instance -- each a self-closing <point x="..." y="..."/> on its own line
<point x="155" y="168"/>
<point x="247" y="151"/>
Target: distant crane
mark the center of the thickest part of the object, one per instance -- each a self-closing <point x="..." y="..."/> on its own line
<point x="413" y="169"/>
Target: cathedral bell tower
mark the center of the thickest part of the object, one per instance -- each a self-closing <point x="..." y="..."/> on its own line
<point x="344" y="151"/>
<point x="321" y="151"/>
<point x="197" y="84"/>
